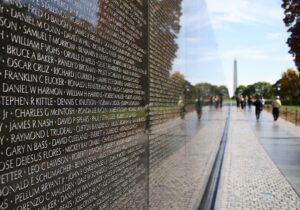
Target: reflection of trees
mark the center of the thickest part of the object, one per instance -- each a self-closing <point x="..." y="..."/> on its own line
<point x="207" y="89"/>
<point x="261" y="88"/>
<point x="163" y="30"/>
<point x="179" y="79"/>
<point x="292" y="21"/>
<point x="164" y="27"/>
<point x="290" y="85"/>
<point x="240" y="90"/>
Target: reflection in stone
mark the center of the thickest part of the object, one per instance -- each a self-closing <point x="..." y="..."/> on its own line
<point x="166" y="137"/>
<point x="79" y="87"/>
<point x="164" y="89"/>
<point x="164" y="27"/>
<point x="73" y="86"/>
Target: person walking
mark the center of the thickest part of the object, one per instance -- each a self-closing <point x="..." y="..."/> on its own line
<point x="263" y="100"/>
<point x="181" y="106"/>
<point x="276" y="104"/>
<point x="242" y="101"/>
<point x="217" y="102"/>
<point x="250" y="102"/>
<point x="238" y="102"/>
<point x="221" y="101"/>
<point x="198" y="107"/>
<point x="211" y="101"/>
<point x="258" y="107"/>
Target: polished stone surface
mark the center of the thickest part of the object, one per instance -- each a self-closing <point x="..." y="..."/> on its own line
<point x="178" y="182"/>
<point x="281" y="144"/>
<point x="250" y="178"/>
<point x="81" y="84"/>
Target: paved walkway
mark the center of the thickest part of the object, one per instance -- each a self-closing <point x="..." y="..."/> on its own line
<point x="178" y="181"/>
<point x="281" y="140"/>
<point x="259" y="159"/>
<point x="261" y="167"/>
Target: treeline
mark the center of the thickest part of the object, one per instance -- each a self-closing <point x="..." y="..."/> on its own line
<point x="292" y="22"/>
<point x="204" y="90"/>
<point x="259" y="88"/>
<point x="287" y="87"/>
<point x="207" y="89"/>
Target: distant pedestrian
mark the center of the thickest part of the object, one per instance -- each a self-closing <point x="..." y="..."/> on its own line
<point x="263" y="100"/>
<point x="242" y="101"/>
<point x="181" y="107"/>
<point x="211" y="101"/>
<point x="221" y="101"/>
<point x="198" y="107"/>
<point x="217" y="102"/>
<point x="276" y="104"/>
<point x="258" y="106"/>
<point x="238" y="103"/>
<point x="250" y="102"/>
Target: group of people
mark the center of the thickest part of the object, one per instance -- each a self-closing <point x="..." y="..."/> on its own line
<point x="243" y="101"/>
<point x="259" y="105"/>
<point x="216" y="101"/>
<point x="198" y="107"/>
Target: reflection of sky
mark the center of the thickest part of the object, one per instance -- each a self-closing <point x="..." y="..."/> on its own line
<point x="250" y="30"/>
<point x="197" y="57"/>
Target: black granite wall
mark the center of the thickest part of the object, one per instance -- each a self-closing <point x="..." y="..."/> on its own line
<point x="82" y="84"/>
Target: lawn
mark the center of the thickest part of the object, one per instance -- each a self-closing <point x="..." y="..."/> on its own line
<point x="292" y="107"/>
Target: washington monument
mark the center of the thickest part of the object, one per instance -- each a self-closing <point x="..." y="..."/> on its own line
<point x="235" y="76"/>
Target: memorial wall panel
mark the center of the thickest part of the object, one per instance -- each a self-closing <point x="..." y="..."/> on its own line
<point x="163" y="30"/>
<point x="73" y="89"/>
<point x="165" y="90"/>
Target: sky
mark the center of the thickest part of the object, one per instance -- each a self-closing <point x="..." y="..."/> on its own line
<point x="216" y="32"/>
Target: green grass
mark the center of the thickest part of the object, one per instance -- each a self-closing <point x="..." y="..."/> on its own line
<point x="292" y="107"/>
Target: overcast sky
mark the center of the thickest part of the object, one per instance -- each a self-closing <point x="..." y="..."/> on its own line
<point x="215" y="32"/>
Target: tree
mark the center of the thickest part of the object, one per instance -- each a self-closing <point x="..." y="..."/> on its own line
<point x="263" y="88"/>
<point x="290" y="85"/>
<point x="178" y="76"/>
<point x="187" y="89"/>
<point x="178" y="80"/>
<point x="240" y="90"/>
<point x="292" y="21"/>
<point x="223" y="90"/>
<point x="203" y="89"/>
<point x="259" y="88"/>
<point x="207" y="89"/>
<point x="190" y="92"/>
<point x="249" y="90"/>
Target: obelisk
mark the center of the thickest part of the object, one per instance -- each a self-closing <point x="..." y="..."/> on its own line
<point x="235" y="82"/>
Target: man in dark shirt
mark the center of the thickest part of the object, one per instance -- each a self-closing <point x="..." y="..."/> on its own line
<point x="258" y="106"/>
<point x="198" y="107"/>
